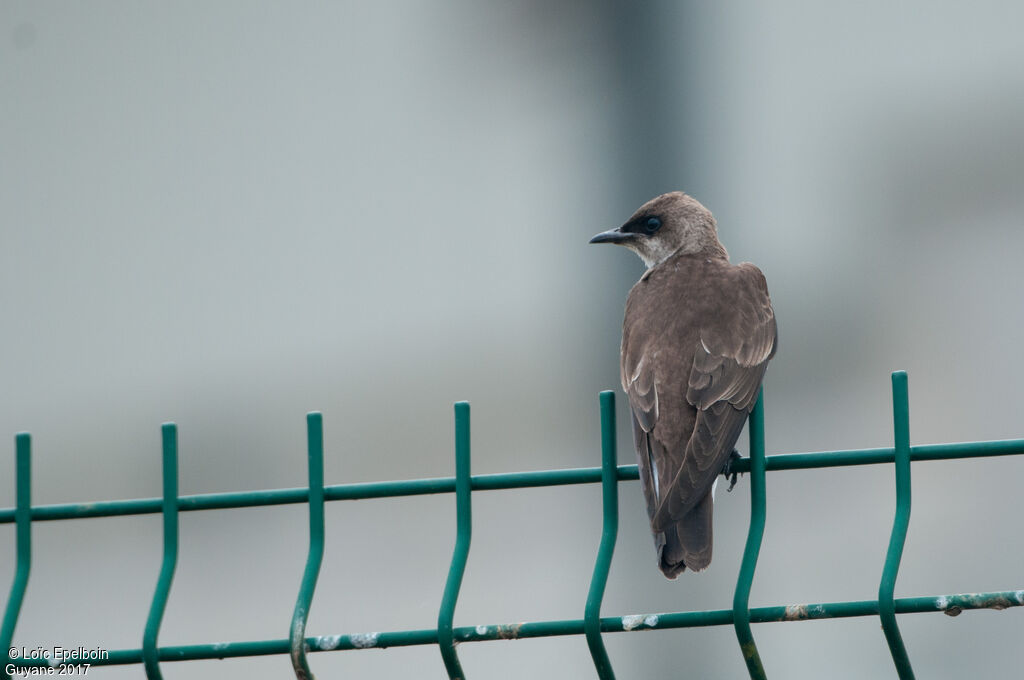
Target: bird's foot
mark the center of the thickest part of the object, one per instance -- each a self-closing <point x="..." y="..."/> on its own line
<point x="727" y="470"/>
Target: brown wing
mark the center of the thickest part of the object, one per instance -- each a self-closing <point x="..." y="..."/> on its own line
<point x="737" y="338"/>
<point x="638" y="381"/>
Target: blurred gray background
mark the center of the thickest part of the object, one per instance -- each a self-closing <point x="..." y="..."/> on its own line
<point x="228" y="214"/>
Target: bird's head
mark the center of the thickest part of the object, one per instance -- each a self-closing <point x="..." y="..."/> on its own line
<point x="665" y="225"/>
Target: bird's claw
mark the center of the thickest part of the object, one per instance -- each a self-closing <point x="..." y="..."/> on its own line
<point x="727" y="470"/>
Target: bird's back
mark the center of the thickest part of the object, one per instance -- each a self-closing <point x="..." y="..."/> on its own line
<point x="697" y="334"/>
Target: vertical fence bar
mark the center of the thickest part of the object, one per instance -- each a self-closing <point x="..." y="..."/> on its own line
<point x="150" y="653"/>
<point x="609" y="532"/>
<point x="464" y="532"/>
<point x="315" y="556"/>
<point x="741" y="599"/>
<point x="23" y="522"/>
<point x="887" y="587"/>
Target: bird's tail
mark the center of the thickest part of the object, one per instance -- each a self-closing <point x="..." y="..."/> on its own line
<point x="687" y="543"/>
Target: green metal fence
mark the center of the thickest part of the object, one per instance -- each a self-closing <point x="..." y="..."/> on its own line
<point x="446" y="635"/>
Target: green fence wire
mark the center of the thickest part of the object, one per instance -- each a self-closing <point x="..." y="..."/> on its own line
<point x="446" y="635"/>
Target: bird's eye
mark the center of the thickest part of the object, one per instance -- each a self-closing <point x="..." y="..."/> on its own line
<point x="653" y="225"/>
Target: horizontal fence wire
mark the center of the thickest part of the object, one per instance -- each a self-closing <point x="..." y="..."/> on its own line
<point x="446" y="635"/>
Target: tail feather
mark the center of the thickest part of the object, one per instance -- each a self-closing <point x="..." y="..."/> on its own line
<point x="687" y="542"/>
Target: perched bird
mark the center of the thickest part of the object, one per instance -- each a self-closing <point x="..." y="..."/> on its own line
<point x="696" y="339"/>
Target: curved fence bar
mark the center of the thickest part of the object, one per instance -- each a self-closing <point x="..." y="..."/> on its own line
<point x="150" y="657"/>
<point x="23" y="514"/>
<point x="609" y="533"/>
<point x="315" y="557"/>
<point x="445" y="635"/>
<point x="741" y="599"/>
<point x="887" y="587"/>
<point x="464" y="533"/>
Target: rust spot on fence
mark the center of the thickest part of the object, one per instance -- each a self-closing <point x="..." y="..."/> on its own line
<point x="795" y="612"/>
<point x="509" y="631"/>
<point x="954" y="605"/>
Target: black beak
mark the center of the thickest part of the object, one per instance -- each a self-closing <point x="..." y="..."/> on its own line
<point x="613" y="236"/>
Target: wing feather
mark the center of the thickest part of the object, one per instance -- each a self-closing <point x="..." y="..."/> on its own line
<point x="728" y="365"/>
